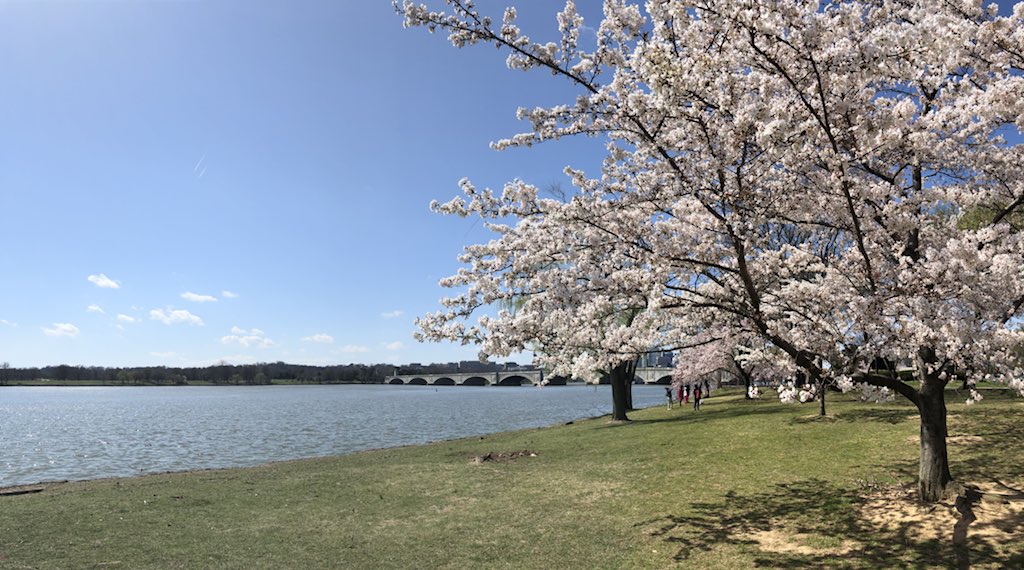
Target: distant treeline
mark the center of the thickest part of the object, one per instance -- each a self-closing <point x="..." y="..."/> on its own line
<point x="227" y="374"/>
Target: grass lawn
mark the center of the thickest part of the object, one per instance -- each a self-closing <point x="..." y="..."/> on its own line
<point x="738" y="485"/>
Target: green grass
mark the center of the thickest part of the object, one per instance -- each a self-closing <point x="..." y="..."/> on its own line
<point x="672" y="488"/>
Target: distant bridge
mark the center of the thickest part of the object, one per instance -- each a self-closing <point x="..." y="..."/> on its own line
<point x="514" y="378"/>
<point x="500" y="378"/>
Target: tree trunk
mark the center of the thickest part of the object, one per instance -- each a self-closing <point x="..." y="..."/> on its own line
<point x="745" y="376"/>
<point x="620" y="378"/>
<point x="933" y="476"/>
<point x="630" y="372"/>
<point x="821" y="398"/>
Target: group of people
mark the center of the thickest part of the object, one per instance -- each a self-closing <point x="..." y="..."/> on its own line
<point x="684" y="392"/>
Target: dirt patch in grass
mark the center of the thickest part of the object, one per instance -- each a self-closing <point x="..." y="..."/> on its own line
<point x="984" y="514"/>
<point x="784" y="542"/>
<point x="953" y="440"/>
<point x="501" y="456"/>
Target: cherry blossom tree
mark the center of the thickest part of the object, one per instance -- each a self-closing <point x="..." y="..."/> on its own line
<point x="574" y="293"/>
<point x="792" y="170"/>
<point x="739" y="357"/>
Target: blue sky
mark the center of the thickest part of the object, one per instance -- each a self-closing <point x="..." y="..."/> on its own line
<point x="190" y="182"/>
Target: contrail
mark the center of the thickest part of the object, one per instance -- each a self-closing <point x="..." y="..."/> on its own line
<point x="198" y="164"/>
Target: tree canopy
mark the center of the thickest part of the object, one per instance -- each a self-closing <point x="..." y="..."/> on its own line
<point x="797" y="171"/>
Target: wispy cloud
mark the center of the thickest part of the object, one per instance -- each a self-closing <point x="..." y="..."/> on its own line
<point x="95" y="309"/>
<point x="103" y="281"/>
<point x="197" y="298"/>
<point x="323" y="338"/>
<point x="200" y="169"/>
<point x="247" y="338"/>
<point x="392" y="314"/>
<point x="353" y="348"/>
<point x="229" y="295"/>
<point x="62" y="329"/>
<point x="174" y="316"/>
<point x="164" y="354"/>
<point x="8" y="323"/>
<point x="397" y="345"/>
<point x="126" y="318"/>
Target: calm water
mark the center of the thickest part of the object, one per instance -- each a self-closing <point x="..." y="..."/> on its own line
<point x="56" y="433"/>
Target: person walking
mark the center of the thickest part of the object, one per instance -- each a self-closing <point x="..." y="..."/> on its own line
<point x="696" y="397"/>
<point x="686" y="394"/>
<point x="668" y="396"/>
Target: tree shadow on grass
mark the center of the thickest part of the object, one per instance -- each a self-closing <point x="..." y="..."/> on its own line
<point x="888" y="415"/>
<point x="986" y="446"/>
<point x="689" y="415"/>
<point x="814" y="524"/>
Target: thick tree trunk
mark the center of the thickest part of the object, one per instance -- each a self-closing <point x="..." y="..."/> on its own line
<point x="620" y="378"/>
<point x="933" y="477"/>
<point x="821" y="398"/>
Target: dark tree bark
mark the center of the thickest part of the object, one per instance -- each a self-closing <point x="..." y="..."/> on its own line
<point x="629" y="387"/>
<point x="933" y="476"/>
<point x="621" y="376"/>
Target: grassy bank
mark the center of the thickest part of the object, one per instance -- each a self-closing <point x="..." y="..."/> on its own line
<point x="737" y="485"/>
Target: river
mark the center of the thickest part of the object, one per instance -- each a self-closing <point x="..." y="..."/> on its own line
<point x="73" y="433"/>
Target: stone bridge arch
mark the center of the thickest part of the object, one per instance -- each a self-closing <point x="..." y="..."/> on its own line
<point x="514" y="380"/>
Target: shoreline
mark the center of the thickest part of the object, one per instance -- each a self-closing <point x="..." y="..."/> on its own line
<point x="100" y="465"/>
<point x="633" y="494"/>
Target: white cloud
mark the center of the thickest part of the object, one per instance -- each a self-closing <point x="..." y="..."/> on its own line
<point x="247" y="338"/>
<point x="321" y="338"/>
<point x="197" y="298"/>
<point x="353" y="348"/>
<point x="95" y="309"/>
<point x="392" y="314"/>
<point x="228" y="295"/>
<point x="397" y="345"/>
<point x="8" y="323"/>
<point x="103" y="281"/>
<point x="172" y="316"/>
<point x="62" y="329"/>
<point x="126" y="318"/>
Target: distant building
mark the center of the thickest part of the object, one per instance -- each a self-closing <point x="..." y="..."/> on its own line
<point x="658" y="359"/>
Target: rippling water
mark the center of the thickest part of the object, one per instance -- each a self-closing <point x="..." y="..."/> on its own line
<point x="57" y="433"/>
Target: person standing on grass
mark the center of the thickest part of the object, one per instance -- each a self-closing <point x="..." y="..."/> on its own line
<point x="696" y="396"/>
<point x="680" y="400"/>
<point x="668" y="396"/>
<point x="686" y="393"/>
